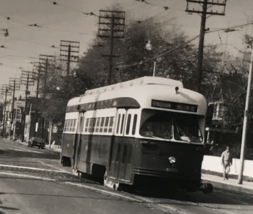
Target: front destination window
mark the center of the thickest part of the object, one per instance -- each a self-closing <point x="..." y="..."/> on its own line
<point x="168" y="126"/>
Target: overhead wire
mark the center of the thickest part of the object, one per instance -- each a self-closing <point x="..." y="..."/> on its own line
<point x="62" y="5"/>
<point x="158" y="55"/>
<point x="169" y="51"/>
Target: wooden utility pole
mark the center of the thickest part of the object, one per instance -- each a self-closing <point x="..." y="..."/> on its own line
<point x="72" y="49"/>
<point x="45" y="62"/>
<point x="37" y="76"/>
<point x="14" y="84"/>
<point x="5" y="91"/>
<point x="111" y="25"/>
<point x="203" y="11"/>
<point x="27" y="80"/>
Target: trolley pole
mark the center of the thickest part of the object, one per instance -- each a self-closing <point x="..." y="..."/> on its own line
<point x="245" y="121"/>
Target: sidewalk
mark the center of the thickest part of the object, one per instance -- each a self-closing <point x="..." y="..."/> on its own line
<point x="231" y="184"/>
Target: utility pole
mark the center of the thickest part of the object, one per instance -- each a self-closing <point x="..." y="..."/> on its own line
<point x="203" y="11"/>
<point x="27" y="80"/>
<point x="5" y="91"/>
<point x="37" y="76"/>
<point x="45" y="61"/>
<point x="72" y="48"/>
<point x="111" y="50"/>
<point x="111" y="25"/>
<point x="245" y="121"/>
<point x="14" y="84"/>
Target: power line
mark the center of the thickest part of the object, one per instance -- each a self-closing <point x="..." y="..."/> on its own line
<point x="55" y="3"/>
<point x="157" y="56"/>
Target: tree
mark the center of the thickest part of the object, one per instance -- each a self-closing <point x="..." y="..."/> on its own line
<point x="59" y="90"/>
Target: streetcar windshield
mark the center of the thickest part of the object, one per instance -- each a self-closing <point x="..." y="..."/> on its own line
<point x="168" y="126"/>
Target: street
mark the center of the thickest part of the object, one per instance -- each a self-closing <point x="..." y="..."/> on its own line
<point x="32" y="181"/>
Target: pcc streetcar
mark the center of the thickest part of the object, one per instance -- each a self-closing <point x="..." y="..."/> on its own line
<point x="141" y="131"/>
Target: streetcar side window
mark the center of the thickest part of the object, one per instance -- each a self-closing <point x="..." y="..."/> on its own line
<point x="111" y="124"/>
<point x="106" y="124"/>
<point x="74" y="125"/>
<point x="102" y="124"/>
<point x="81" y="124"/>
<point x="87" y="125"/>
<point x="92" y="123"/>
<point x="122" y="123"/>
<point x="128" y="124"/>
<point x="70" y="124"/>
<point x="134" y="124"/>
<point x="97" y="124"/>
<point x="65" y="123"/>
<point x="118" y="123"/>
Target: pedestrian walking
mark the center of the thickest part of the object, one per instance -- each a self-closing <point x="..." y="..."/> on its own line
<point x="226" y="162"/>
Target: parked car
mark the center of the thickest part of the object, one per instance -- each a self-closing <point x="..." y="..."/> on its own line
<point x="36" y="141"/>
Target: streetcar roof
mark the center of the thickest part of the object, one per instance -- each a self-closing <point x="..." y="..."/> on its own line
<point x="136" y="82"/>
<point x="141" y="95"/>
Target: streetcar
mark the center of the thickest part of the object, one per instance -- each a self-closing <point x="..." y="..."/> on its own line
<point x="145" y="131"/>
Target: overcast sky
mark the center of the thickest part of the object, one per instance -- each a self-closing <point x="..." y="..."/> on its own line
<point x="66" y="20"/>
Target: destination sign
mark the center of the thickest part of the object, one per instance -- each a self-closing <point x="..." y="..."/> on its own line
<point x="174" y="106"/>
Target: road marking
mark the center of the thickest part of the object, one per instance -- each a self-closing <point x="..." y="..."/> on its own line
<point x="103" y="191"/>
<point x="162" y="206"/>
<point x="27" y="176"/>
<point x="132" y="198"/>
<point x="32" y="168"/>
<point x="62" y="170"/>
<point x="22" y="150"/>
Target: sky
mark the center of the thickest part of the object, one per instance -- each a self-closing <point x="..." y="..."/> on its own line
<point x="67" y="20"/>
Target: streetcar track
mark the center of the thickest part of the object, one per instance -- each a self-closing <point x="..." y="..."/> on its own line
<point x="166" y="205"/>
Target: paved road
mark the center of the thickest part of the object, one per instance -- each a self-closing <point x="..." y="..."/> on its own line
<point x="31" y="181"/>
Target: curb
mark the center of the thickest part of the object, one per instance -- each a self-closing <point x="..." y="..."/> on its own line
<point x="228" y="186"/>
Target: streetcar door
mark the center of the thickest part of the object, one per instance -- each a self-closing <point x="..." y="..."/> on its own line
<point x="118" y="142"/>
<point x="78" y="142"/>
<point x="125" y="172"/>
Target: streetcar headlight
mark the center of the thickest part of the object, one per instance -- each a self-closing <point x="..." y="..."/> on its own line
<point x="172" y="160"/>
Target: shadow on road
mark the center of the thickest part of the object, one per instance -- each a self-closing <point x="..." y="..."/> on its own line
<point x="218" y="196"/>
<point x="5" y="207"/>
<point x="9" y="153"/>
